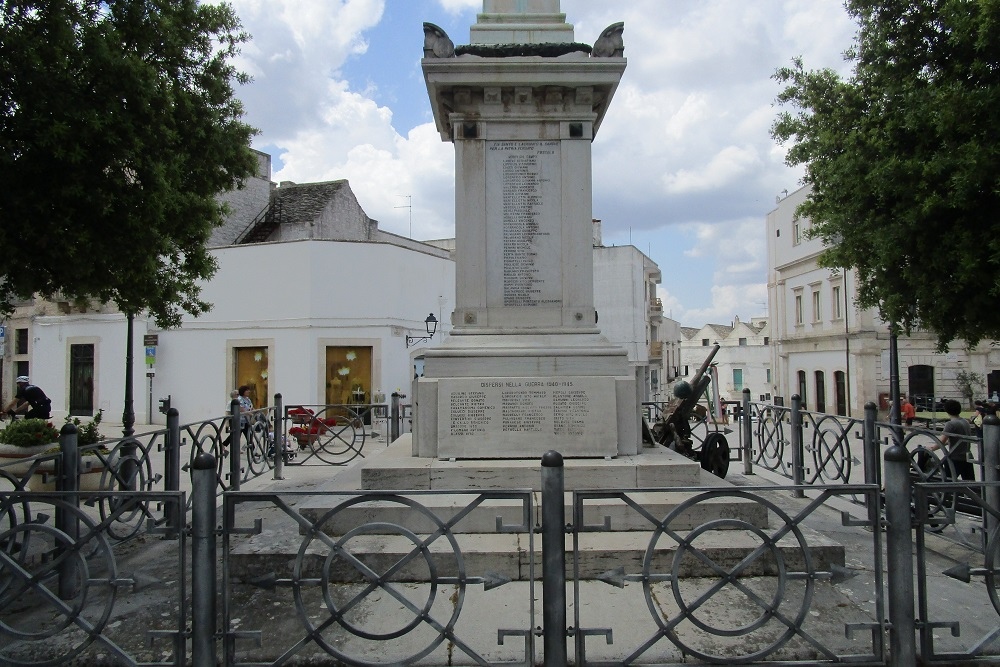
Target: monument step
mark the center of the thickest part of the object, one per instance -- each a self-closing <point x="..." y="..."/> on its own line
<point x="397" y="468"/>
<point x="615" y="513"/>
<point x="271" y="555"/>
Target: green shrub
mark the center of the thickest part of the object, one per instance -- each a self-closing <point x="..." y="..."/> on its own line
<point x="88" y="434"/>
<point x="29" y="432"/>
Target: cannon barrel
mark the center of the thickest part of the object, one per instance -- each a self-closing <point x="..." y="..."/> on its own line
<point x="699" y="382"/>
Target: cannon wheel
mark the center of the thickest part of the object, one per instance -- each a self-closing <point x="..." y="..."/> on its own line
<point x="714" y="454"/>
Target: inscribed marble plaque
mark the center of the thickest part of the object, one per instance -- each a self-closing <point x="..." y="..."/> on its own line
<point x="523" y="223"/>
<point x="514" y="417"/>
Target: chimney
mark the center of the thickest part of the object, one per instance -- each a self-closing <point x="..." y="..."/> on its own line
<point x="598" y="243"/>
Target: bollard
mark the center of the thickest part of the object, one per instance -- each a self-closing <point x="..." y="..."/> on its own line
<point x="395" y="418"/>
<point x="747" y="432"/>
<point x="870" y="448"/>
<point x="899" y="557"/>
<point x="278" y="438"/>
<point x="235" y="443"/>
<point x="172" y="471"/>
<point x="798" y="456"/>
<point x="553" y="559"/>
<point x="991" y="473"/>
<point x="67" y="522"/>
<point x="203" y="555"/>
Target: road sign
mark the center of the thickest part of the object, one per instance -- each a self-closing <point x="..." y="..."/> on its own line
<point x="3" y="331"/>
<point x="151" y="340"/>
<point x="150" y="355"/>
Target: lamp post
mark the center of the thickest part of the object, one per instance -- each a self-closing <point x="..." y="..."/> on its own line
<point x="431" y="324"/>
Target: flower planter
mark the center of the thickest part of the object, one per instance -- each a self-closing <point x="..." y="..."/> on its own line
<point x="17" y="460"/>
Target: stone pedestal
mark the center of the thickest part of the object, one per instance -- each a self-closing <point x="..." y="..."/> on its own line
<point x="525" y="369"/>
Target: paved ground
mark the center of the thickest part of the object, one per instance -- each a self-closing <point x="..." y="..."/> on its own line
<point x="472" y="617"/>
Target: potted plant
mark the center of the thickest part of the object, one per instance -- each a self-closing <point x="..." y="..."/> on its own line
<point x="93" y="461"/>
<point x="24" y="438"/>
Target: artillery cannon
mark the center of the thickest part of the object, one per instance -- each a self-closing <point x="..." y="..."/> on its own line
<point x="676" y="421"/>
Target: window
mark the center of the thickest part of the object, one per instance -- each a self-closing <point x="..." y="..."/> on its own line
<point x="21" y="342"/>
<point x="802" y="387"/>
<point x="21" y="368"/>
<point x="251" y="370"/>
<point x="796" y="231"/>
<point x="349" y="374"/>
<point x="743" y="342"/>
<point x="816" y="312"/>
<point x="737" y="379"/>
<point x="687" y="370"/>
<point x="838" y="312"/>
<point x="798" y="309"/>
<point x="840" y="386"/>
<point x="768" y="371"/>
<point x="704" y="342"/>
<point x="820" y="392"/>
<point x="767" y="340"/>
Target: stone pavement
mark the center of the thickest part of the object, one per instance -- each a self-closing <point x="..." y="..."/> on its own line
<point x="473" y="617"/>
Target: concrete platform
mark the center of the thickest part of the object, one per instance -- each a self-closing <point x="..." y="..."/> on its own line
<point x="507" y="555"/>
<point x="397" y="468"/>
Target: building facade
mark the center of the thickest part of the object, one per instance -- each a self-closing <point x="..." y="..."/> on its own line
<point x="320" y="311"/>
<point x="834" y="355"/>
<point x="743" y="360"/>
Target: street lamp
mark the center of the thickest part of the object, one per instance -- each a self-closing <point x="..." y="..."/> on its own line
<point x="432" y="324"/>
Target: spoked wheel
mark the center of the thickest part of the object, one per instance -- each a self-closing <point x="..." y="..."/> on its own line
<point x="714" y="454"/>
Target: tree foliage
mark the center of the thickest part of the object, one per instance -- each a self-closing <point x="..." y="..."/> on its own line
<point x="903" y="160"/>
<point x="119" y="127"/>
<point x="969" y="384"/>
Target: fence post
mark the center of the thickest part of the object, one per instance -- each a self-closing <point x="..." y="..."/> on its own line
<point x="870" y="447"/>
<point x="991" y="473"/>
<point x="203" y="555"/>
<point x="553" y="559"/>
<point x="395" y="418"/>
<point x="235" y="443"/>
<point x="899" y="557"/>
<point x="747" y="432"/>
<point x="67" y="478"/>
<point x="798" y="456"/>
<point x="172" y="470"/>
<point x="278" y="441"/>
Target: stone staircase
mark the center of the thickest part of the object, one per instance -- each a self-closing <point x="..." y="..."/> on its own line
<point x="382" y="533"/>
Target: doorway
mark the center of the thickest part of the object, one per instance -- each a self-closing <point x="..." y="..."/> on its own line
<point x="81" y="380"/>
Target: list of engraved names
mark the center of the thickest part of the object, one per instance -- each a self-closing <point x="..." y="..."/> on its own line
<point x="527" y="173"/>
<point x="520" y="406"/>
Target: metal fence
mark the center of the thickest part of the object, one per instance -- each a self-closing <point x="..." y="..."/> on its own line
<point x="405" y="577"/>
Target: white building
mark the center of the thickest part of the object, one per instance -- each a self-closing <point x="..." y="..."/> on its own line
<point x="629" y="313"/>
<point x="319" y="311"/>
<point x="743" y="360"/>
<point x="833" y="355"/>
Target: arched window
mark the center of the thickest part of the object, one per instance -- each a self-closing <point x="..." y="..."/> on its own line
<point x="840" y="386"/>
<point x="802" y="388"/>
<point x="820" y="391"/>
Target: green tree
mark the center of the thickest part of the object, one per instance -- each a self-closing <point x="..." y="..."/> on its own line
<point x="969" y="384"/>
<point x="903" y="161"/>
<point x="119" y="127"/>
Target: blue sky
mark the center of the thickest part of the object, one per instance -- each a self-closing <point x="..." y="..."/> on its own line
<point x="684" y="167"/>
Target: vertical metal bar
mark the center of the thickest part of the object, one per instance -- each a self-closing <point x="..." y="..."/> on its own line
<point x="747" y="431"/>
<point x="991" y="473"/>
<point x="395" y="419"/>
<point x="68" y="479"/>
<point x="798" y="456"/>
<point x="235" y="443"/>
<point x="203" y="556"/>
<point x="870" y="448"/>
<point x="172" y="469"/>
<point x="899" y="557"/>
<point x="278" y="438"/>
<point x="553" y="560"/>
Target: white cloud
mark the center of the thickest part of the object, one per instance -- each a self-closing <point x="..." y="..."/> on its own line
<point x="683" y="160"/>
